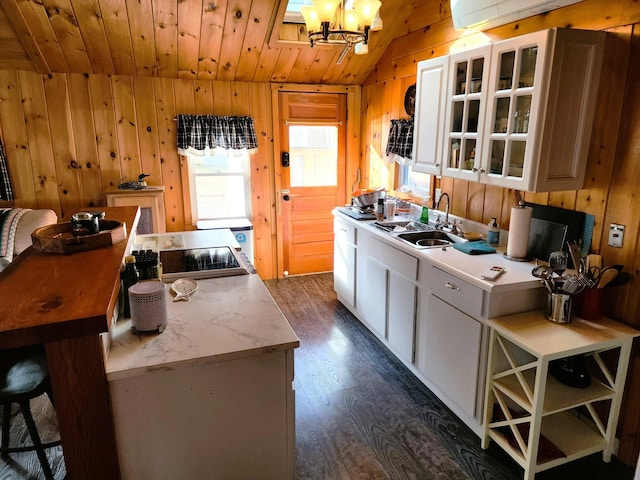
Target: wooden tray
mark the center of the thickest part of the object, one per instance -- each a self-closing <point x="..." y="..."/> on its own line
<point x="59" y="238"/>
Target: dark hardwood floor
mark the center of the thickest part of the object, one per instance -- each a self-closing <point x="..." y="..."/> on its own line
<point x="360" y="413"/>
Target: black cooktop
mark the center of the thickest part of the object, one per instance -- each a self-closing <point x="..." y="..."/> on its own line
<point x="357" y="213"/>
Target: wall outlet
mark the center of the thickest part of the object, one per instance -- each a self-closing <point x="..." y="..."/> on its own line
<point x="616" y="235"/>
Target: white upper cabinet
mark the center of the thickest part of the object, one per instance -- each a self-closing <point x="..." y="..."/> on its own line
<point x="518" y="113"/>
<point x="429" y="116"/>
<point x="543" y="90"/>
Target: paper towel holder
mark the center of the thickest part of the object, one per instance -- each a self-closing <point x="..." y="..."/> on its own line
<point x="513" y="258"/>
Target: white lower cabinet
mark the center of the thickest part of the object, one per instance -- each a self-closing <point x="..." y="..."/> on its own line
<point x="387" y="293"/>
<point x="402" y="316"/>
<point x="449" y="352"/>
<point x="344" y="261"/>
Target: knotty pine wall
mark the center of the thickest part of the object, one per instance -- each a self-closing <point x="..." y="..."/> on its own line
<point x="613" y="171"/>
<point x="68" y="137"/>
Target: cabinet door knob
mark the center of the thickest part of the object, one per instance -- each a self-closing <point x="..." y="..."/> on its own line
<point x="451" y="286"/>
<point x="437" y="164"/>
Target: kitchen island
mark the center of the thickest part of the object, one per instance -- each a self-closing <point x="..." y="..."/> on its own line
<point x="211" y="396"/>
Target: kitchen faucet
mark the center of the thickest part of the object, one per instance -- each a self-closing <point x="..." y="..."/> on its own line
<point x="454" y="228"/>
<point x="446" y="213"/>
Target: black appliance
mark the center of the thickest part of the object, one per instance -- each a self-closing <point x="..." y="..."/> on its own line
<point x="359" y="213"/>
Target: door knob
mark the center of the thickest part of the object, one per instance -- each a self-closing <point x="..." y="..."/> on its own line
<point x="286" y="198"/>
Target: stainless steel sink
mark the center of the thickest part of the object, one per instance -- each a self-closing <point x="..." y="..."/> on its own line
<point x="429" y="239"/>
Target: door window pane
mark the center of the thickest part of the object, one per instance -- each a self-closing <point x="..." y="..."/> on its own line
<point x="458" y="112"/>
<point x="454" y="160"/>
<point x="505" y="81"/>
<point x="497" y="157"/>
<point x="476" y="75"/>
<point x="469" y="154"/>
<point x="461" y="78"/>
<point x="473" y="115"/>
<point x="521" y="114"/>
<point x="528" y="66"/>
<point x="516" y="160"/>
<point x="313" y="152"/>
<point x="502" y="115"/>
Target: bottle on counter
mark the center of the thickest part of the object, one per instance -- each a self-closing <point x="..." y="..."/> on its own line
<point x="129" y="276"/>
<point x="380" y="210"/>
<point x="493" y="233"/>
<point x="424" y="214"/>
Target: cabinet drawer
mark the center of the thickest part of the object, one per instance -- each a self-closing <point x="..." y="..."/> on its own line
<point x="344" y="231"/>
<point x="395" y="260"/>
<point x="460" y="294"/>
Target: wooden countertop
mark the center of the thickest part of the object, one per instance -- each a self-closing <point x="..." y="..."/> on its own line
<point x="534" y="333"/>
<point x="48" y="297"/>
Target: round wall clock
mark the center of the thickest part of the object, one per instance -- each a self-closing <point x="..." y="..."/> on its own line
<point x="410" y="100"/>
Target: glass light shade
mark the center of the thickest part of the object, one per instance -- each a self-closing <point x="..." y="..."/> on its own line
<point x="366" y="10"/>
<point x="311" y="18"/>
<point x="351" y="20"/>
<point x="326" y="9"/>
<point x="377" y="23"/>
<point x="360" y="48"/>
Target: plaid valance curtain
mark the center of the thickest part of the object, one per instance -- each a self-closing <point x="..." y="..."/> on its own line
<point x="6" y="192"/>
<point x="201" y="134"/>
<point x="400" y="143"/>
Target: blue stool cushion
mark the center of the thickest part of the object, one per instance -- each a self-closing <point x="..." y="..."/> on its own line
<point x="21" y="370"/>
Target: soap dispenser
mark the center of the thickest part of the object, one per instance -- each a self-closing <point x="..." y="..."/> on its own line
<point x="493" y="233"/>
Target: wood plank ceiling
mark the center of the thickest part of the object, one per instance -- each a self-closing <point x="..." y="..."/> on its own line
<point x="192" y="39"/>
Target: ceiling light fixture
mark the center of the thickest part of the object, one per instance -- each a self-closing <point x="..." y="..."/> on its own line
<point x="340" y="22"/>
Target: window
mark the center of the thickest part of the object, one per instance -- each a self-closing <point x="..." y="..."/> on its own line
<point x="220" y="185"/>
<point x="314" y="156"/>
<point x="416" y="182"/>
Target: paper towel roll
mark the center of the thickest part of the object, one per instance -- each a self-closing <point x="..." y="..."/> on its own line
<point x="518" y="241"/>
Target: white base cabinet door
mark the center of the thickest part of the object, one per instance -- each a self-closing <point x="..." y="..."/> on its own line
<point x="402" y="316"/>
<point x="344" y="261"/>
<point x="451" y="353"/>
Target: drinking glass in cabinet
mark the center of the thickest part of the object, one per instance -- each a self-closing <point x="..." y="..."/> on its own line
<point x="469" y="154"/>
<point x="458" y="111"/>
<point x="505" y="79"/>
<point x="461" y="78"/>
<point x="454" y="161"/>
<point x="497" y="157"/>
<point x="502" y="115"/>
<point x="521" y="114"/>
<point x="527" y="66"/>
<point x="516" y="158"/>
<point x="472" y="116"/>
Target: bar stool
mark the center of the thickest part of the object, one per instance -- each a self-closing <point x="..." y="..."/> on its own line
<point x="23" y="376"/>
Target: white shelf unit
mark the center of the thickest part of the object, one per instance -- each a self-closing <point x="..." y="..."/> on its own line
<point x="540" y="422"/>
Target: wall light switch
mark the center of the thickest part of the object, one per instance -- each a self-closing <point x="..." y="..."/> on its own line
<point x="616" y="235"/>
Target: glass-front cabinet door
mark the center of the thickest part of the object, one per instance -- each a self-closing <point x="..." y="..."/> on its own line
<point x="467" y="98"/>
<point x="514" y="90"/>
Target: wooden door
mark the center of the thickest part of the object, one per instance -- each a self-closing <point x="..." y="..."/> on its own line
<point x="312" y="174"/>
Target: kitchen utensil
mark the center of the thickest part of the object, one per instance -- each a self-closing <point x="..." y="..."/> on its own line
<point x="574" y="251"/>
<point x="558" y="261"/>
<point x="593" y="260"/>
<point x="606" y="276"/>
<point x="545" y="274"/>
<point x="183" y="288"/>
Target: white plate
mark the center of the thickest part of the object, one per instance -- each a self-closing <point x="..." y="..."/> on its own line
<point x="183" y="287"/>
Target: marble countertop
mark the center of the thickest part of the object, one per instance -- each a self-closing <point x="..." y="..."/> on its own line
<point x="226" y="318"/>
<point x="517" y="275"/>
